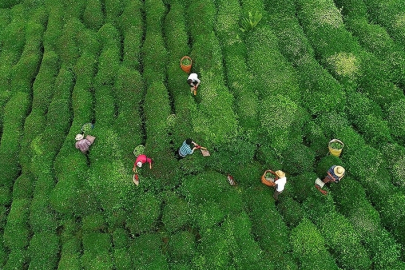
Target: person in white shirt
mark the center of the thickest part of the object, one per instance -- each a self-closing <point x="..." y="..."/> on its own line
<point x="194" y="82"/>
<point x="280" y="183"/>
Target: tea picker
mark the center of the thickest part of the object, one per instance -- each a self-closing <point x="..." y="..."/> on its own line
<point x="334" y="174"/>
<point x="140" y="160"/>
<point x="194" y="82"/>
<point x="84" y="140"/>
<point x="275" y="179"/>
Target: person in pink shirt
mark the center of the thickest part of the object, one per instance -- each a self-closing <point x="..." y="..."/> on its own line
<point x="140" y="160"/>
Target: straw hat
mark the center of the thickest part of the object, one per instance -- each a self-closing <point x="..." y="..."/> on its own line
<point x="280" y="174"/>
<point x="339" y="171"/>
<point x="79" y="137"/>
<point x="139" y="164"/>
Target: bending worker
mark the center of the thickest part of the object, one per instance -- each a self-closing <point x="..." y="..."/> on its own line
<point x="334" y="174"/>
<point x="187" y="148"/>
<point x="194" y="82"/>
<point x="140" y="160"/>
<point x="280" y="183"/>
<point x="83" y="143"/>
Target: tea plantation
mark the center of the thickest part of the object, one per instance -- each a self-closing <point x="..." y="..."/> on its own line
<point x="279" y="81"/>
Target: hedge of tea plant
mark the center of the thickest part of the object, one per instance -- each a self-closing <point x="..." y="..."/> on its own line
<point x="278" y="82"/>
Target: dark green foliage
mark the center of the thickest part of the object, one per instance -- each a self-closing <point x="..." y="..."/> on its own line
<point x="23" y="187"/>
<point x="291" y="211"/>
<point x="9" y="3"/>
<point x="14" y="112"/>
<point x="325" y="163"/>
<point x="16" y="260"/>
<point x="155" y="10"/>
<point x="268" y="227"/>
<point x="44" y="256"/>
<point x="67" y="44"/>
<point x="396" y="118"/>
<point x="94" y="223"/>
<point x="182" y="246"/>
<point x="298" y="159"/>
<point x="43" y="87"/>
<point x="264" y="58"/>
<point x="302" y="185"/>
<point x="144" y="213"/>
<point x="200" y="18"/>
<point x="147" y="254"/>
<point x="175" y="214"/>
<point x="122" y="259"/>
<point x="96" y="254"/>
<point x="174" y="29"/>
<point x="113" y="9"/>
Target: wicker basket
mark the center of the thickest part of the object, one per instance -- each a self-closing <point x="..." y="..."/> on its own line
<point x="269" y="182"/>
<point x="186" y="68"/>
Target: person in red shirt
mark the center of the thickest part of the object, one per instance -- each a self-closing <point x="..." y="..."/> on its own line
<point x="140" y="160"/>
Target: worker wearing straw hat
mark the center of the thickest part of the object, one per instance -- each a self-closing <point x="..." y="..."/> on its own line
<point x="280" y="183"/>
<point x="334" y="174"/>
<point x="83" y="143"/>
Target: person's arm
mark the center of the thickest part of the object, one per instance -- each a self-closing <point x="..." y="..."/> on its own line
<point x="149" y="160"/>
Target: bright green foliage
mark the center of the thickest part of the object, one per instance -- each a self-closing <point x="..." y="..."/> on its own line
<point x="215" y="119"/>
<point x="16" y="230"/>
<point x="344" y="241"/>
<point x="264" y="58"/>
<point x="309" y="247"/>
<point x="44" y="256"/>
<point x="200" y="18"/>
<point x="247" y="24"/>
<point x="280" y="118"/>
<point x="94" y="223"/>
<point x="16" y="260"/>
<point x="70" y="255"/>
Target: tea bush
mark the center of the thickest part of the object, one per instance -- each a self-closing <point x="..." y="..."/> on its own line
<point x="264" y="58"/>
<point x="298" y="159"/>
<point x="309" y="247"/>
<point x="175" y="213"/>
<point x="270" y="235"/>
<point x="200" y="19"/>
<point x="147" y="253"/>
<point x="16" y="230"/>
<point x="68" y="48"/>
<point x="281" y="120"/>
<point x="93" y="16"/>
<point x="302" y="185"/>
<point x="16" y="259"/>
<point x="145" y="212"/>
<point x="390" y="16"/>
<point x="395" y="119"/>
<point x="182" y="246"/>
<point x="96" y="251"/>
<point x="346" y="243"/>
<point x="94" y="223"/>
<point x="70" y="255"/>
<point x="44" y="256"/>
<point x="291" y="211"/>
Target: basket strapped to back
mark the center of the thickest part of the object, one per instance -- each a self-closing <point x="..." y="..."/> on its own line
<point x="269" y="182"/>
<point x="139" y="150"/>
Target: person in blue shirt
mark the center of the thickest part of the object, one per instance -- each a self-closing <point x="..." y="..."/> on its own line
<point x="187" y="148"/>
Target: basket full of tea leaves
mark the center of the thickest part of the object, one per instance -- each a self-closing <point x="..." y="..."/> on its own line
<point x="335" y="147"/>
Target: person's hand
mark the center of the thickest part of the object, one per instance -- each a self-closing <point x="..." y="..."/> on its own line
<point x="133" y="169"/>
<point x="150" y="165"/>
